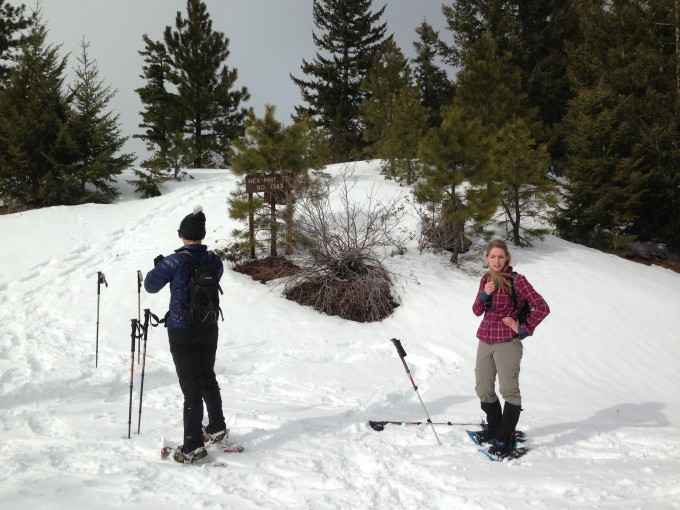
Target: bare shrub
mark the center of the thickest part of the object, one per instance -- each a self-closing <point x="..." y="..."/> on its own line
<point x="361" y="297"/>
<point x="345" y="275"/>
<point x="439" y="232"/>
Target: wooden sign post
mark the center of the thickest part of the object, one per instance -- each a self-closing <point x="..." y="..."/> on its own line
<point x="274" y="185"/>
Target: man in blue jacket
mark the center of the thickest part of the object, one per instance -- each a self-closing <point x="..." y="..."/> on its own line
<point x="193" y="348"/>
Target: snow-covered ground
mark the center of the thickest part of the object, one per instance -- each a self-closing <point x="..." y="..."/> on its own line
<point x="600" y="379"/>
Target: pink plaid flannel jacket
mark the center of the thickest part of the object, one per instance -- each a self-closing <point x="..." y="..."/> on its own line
<point x="499" y="305"/>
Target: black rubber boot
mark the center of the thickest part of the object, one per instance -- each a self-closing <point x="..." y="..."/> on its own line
<point x="494" y="416"/>
<point x="506" y="430"/>
<point x="504" y="443"/>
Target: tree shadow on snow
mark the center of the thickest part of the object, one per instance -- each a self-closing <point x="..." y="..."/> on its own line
<point x="296" y="429"/>
<point x="645" y="415"/>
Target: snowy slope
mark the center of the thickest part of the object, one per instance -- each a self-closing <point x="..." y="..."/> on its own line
<point x="599" y="379"/>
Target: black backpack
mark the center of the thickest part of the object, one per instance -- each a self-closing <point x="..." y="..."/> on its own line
<point x="204" y="293"/>
<point x="526" y="307"/>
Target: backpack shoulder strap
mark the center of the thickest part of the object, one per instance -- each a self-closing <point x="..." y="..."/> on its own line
<point x="513" y="295"/>
<point x="188" y="257"/>
<point x="211" y="259"/>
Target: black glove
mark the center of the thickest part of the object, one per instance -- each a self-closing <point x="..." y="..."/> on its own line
<point x="157" y="260"/>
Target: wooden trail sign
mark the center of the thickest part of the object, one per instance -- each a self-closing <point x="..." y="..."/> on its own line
<point x="276" y="189"/>
<point x="264" y="183"/>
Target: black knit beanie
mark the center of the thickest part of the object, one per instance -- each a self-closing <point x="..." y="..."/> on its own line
<point x="192" y="227"/>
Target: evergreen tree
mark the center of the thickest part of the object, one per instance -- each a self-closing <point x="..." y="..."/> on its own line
<point x="453" y="186"/>
<point x="436" y="90"/>
<point x="490" y="88"/>
<point x="349" y="37"/>
<point x="546" y="29"/>
<point x="400" y="139"/>
<point x="622" y="129"/>
<point x="600" y="199"/>
<point x="497" y="163"/>
<point x="157" y="120"/>
<point x="163" y="132"/>
<point x="269" y="147"/>
<point x="468" y="20"/>
<point x="36" y="148"/>
<point x="206" y="100"/>
<point x="527" y="196"/>
<point x="389" y="74"/>
<point x="392" y="114"/>
<point x="12" y="24"/>
<point x="96" y="134"/>
<point x="534" y="33"/>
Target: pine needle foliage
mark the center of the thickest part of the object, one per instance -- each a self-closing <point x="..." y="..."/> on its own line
<point x="348" y="37"/>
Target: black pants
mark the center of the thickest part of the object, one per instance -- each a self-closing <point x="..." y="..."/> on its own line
<point x="193" y="351"/>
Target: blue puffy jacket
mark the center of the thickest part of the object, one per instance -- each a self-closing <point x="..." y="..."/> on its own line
<point x="176" y="270"/>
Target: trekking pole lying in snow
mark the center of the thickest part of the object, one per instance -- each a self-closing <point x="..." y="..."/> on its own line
<point x="133" y="336"/>
<point x="379" y="425"/>
<point x="147" y="320"/>
<point x="139" y="306"/>
<point x="402" y="355"/>
<point x="100" y="279"/>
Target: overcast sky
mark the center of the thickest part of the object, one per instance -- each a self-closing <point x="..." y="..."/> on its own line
<point x="267" y="39"/>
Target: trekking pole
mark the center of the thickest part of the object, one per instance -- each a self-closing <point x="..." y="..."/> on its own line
<point x="379" y="425"/>
<point x="100" y="279"/>
<point x="133" y="336"/>
<point x="147" y="320"/>
<point x="139" y="306"/>
<point x="402" y="354"/>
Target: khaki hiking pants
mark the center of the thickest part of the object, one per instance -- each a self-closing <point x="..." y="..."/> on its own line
<point x="503" y="359"/>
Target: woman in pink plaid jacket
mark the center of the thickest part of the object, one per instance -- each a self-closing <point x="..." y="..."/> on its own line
<point x="499" y="352"/>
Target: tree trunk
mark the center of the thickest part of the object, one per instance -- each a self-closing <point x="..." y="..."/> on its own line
<point x="677" y="57"/>
<point x="272" y="251"/>
<point x="289" y="222"/>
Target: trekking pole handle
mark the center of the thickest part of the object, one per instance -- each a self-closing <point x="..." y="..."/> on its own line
<point x="150" y="318"/>
<point x="101" y="279"/>
<point x="147" y="315"/>
<point x="139" y="281"/>
<point x="402" y="355"/>
<point x="400" y="349"/>
<point x="133" y="334"/>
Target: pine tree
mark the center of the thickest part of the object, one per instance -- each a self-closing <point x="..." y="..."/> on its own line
<point x="162" y="125"/>
<point x="96" y="133"/>
<point x="436" y="90"/>
<point x="527" y="197"/>
<point x="452" y="184"/>
<point x="349" y="37"/>
<point x="534" y="33"/>
<point x="12" y="24"/>
<point x="36" y="149"/>
<point x="157" y="119"/>
<point x="400" y="139"/>
<point x="622" y="130"/>
<point x="269" y="147"/>
<point x="488" y="155"/>
<point x="489" y="88"/>
<point x="207" y="102"/>
<point x="599" y="199"/>
<point x="468" y="20"/>
<point x="389" y="74"/>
